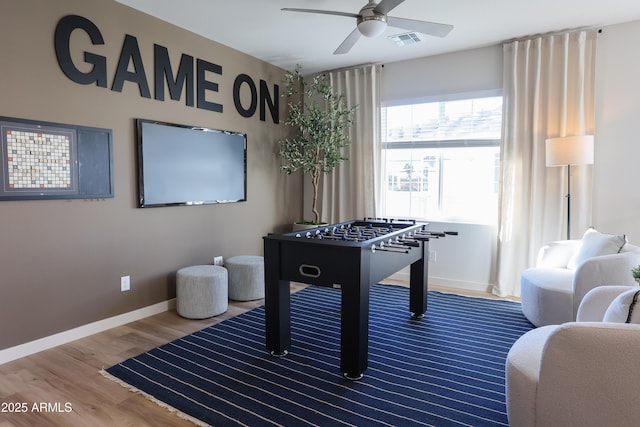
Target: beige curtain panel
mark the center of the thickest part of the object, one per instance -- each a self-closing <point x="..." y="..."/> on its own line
<point x="352" y="191"/>
<point x="548" y="93"/>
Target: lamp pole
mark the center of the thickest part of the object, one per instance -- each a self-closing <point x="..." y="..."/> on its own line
<point x="569" y="202"/>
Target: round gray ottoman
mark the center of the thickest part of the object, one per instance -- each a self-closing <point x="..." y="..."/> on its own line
<point x="246" y="277"/>
<point x="201" y="291"/>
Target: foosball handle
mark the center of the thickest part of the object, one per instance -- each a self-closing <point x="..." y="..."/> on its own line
<point x="451" y="233"/>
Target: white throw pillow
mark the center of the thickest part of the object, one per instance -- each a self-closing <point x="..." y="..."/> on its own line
<point x="595" y="243"/>
<point x="619" y="309"/>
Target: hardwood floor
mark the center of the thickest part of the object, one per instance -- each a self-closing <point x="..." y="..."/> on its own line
<point x="70" y="374"/>
<point x="63" y="386"/>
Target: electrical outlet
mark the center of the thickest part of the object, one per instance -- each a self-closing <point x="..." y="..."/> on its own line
<point x="125" y="283"/>
<point x="432" y="256"/>
<point x="218" y="260"/>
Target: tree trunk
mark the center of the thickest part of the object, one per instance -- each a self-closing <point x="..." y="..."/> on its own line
<point x="315" y="181"/>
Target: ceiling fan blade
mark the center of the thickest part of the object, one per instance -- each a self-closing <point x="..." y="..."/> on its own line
<point x="324" y="12"/>
<point x="348" y="43"/>
<point x="425" y="27"/>
<point x="386" y="6"/>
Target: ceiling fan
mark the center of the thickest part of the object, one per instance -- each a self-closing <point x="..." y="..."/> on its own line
<point x="372" y="20"/>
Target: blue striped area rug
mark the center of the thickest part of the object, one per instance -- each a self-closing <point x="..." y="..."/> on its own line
<point x="444" y="370"/>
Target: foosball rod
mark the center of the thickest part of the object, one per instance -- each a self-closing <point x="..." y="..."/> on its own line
<point x="375" y="248"/>
<point x="435" y="234"/>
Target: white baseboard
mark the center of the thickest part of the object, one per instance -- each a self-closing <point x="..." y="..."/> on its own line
<point x="55" y="340"/>
<point x="454" y="284"/>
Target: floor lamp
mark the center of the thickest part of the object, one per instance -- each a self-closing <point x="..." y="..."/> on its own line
<point x="568" y="151"/>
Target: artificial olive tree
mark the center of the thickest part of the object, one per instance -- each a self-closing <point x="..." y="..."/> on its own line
<point x="321" y="118"/>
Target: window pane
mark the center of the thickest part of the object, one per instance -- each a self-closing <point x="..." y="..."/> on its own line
<point x="442" y="160"/>
<point x="469" y="190"/>
<point x="413" y="182"/>
<point x="479" y="118"/>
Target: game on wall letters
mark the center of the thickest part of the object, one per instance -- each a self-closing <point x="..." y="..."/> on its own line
<point x="191" y="78"/>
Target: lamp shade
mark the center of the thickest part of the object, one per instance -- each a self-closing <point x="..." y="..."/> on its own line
<point x="372" y="26"/>
<point x="569" y="150"/>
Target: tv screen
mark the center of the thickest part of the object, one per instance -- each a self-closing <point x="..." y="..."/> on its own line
<point x="189" y="165"/>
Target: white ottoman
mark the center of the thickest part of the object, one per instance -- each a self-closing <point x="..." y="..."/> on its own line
<point x="246" y="277"/>
<point x="201" y="291"/>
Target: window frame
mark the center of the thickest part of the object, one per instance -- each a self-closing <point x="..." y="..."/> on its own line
<point x="436" y="144"/>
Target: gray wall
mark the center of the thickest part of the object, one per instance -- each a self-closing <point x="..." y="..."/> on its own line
<point x="617" y="132"/>
<point x="61" y="261"/>
<point x="475" y="72"/>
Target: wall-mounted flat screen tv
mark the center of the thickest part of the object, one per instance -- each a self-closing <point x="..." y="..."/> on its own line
<point x="189" y="165"/>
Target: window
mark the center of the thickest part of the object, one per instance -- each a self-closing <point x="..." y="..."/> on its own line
<point x="442" y="160"/>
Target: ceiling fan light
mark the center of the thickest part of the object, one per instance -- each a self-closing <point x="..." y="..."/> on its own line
<point x="372" y="27"/>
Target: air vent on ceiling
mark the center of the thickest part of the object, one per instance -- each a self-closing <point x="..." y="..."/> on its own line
<point x="405" y="39"/>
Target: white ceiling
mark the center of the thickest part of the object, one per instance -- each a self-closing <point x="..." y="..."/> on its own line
<point x="259" y="28"/>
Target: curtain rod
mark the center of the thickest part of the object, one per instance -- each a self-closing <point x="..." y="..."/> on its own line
<point x="552" y="33"/>
<point x="352" y="67"/>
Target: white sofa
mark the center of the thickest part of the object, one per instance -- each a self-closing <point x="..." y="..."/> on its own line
<point x="581" y="373"/>
<point x="567" y="269"/>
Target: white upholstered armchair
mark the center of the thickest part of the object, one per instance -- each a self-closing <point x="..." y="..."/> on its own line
<point x="566" y="270"/>
<point x="581" y="373"/>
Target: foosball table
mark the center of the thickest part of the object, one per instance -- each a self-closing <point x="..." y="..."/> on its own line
<point x="351" y="256"/>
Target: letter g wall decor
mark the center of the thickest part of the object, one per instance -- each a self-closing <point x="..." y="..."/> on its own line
<point x="190" y="78"/>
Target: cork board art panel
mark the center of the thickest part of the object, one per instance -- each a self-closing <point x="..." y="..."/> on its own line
<point x="40" y="160"/>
